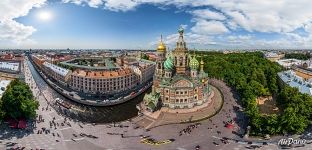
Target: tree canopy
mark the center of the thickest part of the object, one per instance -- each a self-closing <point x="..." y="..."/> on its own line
<point x="297" y="56"/>
<point x="18" y="101"/>
<point x="253" y="76"/>
<point x="144" y="56"/>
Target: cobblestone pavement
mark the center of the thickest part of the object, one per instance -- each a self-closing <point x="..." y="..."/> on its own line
<point x="124" y="135"/>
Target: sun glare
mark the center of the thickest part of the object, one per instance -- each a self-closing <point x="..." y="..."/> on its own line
<point x="45" y="15"/>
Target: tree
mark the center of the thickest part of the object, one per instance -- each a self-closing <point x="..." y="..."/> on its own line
<point x="144" y="56"/>
<point x="18" y="101"/>
<point x="2" y="113"/>
<point x="292" y="122"/>
<point x="271" y="124"/>
<point x="297" y="56"/>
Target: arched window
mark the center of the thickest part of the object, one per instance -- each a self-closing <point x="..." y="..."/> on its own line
<point x="175" y="61"/>
<point x="181" y="61"/>
<point x="186" y="60"/>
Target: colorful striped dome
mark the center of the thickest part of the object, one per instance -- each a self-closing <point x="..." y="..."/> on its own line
<point x="194" y="64"/>
<point x="168" y="64"/>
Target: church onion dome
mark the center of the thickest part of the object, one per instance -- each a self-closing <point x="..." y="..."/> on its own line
<point x="194" y="64"/>
<point x="161" y="47"/>
<point x="181" y="30"/>
<point x="168" y="64"/>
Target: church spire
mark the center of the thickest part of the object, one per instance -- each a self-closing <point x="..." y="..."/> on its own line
<point x="181" y="45"/>
<point x="201" y="65"/>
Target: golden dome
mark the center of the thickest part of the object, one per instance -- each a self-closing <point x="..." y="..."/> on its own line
<point x="161" y="47"/>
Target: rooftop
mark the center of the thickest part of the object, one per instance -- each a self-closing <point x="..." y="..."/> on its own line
<point x="12" y="66"/>
<point x="271" y="54"/>
<point x="289" y="62"/>
<point x="289" y="77"/>
<point x="102" y="74"/>
<point x="109" y="65"/>
<point x="59" y="70"/>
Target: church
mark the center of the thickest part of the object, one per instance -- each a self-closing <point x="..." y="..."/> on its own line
<point x="180" y="81"/>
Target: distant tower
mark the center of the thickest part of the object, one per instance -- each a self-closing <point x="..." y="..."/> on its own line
<point x="180" y="54"/>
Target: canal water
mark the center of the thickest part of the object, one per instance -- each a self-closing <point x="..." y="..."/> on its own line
<point x="92" y="114"/>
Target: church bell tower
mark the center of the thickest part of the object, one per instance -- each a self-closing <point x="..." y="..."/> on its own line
<point x="180" y="54"/>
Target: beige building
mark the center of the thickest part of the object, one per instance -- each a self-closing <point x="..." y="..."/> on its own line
<point x="104" y="82"/>
<point x="125" y="75"/>
<point x="144" y="70"/>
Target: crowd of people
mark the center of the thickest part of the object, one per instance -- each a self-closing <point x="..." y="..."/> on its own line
<point x="189" y="129"/>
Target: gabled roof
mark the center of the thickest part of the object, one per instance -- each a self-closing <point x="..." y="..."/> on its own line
<point x="178" y="78"/>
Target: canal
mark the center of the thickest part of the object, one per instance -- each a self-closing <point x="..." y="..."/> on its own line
<point x="92" y="114"/>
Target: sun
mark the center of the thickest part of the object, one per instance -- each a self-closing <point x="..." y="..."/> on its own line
<point x="45" y="15"/>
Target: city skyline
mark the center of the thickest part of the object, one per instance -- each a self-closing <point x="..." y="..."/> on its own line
<point x="106" y="24"/>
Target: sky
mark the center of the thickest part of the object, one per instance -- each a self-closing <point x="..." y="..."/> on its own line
<point x="138" y="24"/>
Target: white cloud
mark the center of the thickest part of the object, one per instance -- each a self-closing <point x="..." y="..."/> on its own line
<point x="308" y="27"/>
<point x="267" y="15"/>
<point x="91" y="3"/>
<point x="209" y="27"/>
<point x="12" y="9"/>
<point x="123" y="5"/>
<point x="289" y="40"/>
<point x="95" y="3"/>
<point x="77" y="2"/>
<point x="239" y="38"/>
<point x="184" y="26"/>
<point x="194" y="39"/>
<point x="14" y="31"/>
<point x="208" y="14"/>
